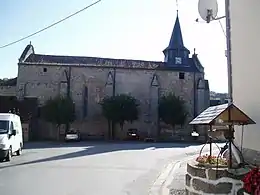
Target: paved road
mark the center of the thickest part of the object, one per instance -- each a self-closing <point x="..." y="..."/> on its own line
<point x="88" y="168"/>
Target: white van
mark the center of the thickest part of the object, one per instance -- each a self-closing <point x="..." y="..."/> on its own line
<point x="11" y="136"/>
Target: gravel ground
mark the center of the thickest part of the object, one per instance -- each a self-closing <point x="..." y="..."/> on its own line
<point x="177" y="192"/>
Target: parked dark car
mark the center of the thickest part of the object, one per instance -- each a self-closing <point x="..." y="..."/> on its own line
<point x="72" y="135"/>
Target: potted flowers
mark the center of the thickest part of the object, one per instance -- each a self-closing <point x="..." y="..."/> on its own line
<point x="211" y="161"/>
<point x="252" y="182"/>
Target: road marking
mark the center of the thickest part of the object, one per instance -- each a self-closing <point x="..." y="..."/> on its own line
<point x="164" y="188"/>
<point x="151" y="148"/>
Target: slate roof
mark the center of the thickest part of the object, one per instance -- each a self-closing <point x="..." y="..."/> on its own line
<point x="25" y="51"/>
<point x="192" y="65"/>
<point x="78" y="60"/>
<point x="197" y="63"/>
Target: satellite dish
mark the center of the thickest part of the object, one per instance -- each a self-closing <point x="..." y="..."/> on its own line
<point x="208" y="9"/>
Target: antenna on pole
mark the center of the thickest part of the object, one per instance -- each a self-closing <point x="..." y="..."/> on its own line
<point x="177" y="6"/>
<point x="208" y="10"/>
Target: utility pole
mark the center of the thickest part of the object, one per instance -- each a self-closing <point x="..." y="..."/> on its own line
<point x="230" y="84"/>
<point x="228" y="40"/>
<point x="210" y="17"/>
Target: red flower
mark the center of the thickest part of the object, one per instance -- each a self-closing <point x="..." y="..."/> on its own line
<point x="252" y="181"/>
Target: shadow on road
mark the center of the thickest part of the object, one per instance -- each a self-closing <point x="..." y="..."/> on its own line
<point x="94" y="149"/>
<point x="124" y="144"/>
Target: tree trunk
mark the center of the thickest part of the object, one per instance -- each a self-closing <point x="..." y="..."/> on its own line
<point x="109" y="129"/>
<point x="158" y="130"/>
<point x="173" y="130"/>
<point x="121" y="126"/>
<point x="67" y="127"/>
<point x="113" y="129"/>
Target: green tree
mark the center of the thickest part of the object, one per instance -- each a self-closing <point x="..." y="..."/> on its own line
<point x="119" y="109"/>
<point x="172" y="110"/>
<point x="59" y="110"/>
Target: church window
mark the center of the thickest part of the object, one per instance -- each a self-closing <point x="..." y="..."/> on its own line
<point x="44" y="69"/>
<point x="181" y="75"/>
<point x="155" y="82"/>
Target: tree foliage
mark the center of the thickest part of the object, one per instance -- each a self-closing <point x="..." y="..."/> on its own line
<point x="172" y="110"/>
<point x="120" y="108"/>
<point x="59" y="110"/>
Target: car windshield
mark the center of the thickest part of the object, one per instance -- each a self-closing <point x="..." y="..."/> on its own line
<point x="132" y="131"/>
<point x="71" y="132"/>
<point x="4" y="126"/>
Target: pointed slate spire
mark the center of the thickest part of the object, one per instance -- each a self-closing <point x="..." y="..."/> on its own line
<point x="176" y="40"/>
<point x="176" y="47"/>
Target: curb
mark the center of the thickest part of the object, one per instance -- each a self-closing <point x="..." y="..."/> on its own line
<point x="160" y="186"/>
<point x="157" y="187"/>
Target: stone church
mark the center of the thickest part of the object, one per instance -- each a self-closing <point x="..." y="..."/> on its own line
<point x="91" y="78"/>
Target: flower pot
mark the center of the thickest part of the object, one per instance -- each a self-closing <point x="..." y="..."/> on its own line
<point x="211" y="165"/>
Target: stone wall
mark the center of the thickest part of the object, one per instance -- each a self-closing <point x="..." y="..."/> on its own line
<point x="251" y="156"/>
<point x="209" y="181"/>
<point x="45" y="81"/>
<point x="7" y="90"/>
<point x="245" y="51"/>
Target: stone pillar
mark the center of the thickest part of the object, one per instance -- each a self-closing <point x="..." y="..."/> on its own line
<point x="21" y="90"/>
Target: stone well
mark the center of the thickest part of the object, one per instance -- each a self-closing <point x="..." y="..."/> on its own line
<point x="202" y="180"/>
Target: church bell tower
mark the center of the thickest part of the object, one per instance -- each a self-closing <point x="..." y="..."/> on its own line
<point x="176" y="54"/>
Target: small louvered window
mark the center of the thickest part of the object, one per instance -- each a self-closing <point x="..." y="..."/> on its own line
<point x="181" y="75"/>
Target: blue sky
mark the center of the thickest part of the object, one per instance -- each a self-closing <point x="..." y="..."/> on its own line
<point x="130" y="29"/>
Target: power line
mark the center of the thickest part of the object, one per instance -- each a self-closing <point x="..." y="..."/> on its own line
<point x="39" y="31"/>
<point x="223" y="30"/>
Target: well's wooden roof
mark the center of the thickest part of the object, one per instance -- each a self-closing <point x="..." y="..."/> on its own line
<point x="219" y="115"/>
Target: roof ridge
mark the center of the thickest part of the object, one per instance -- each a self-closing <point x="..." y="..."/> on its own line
<point x="93" y="57"/>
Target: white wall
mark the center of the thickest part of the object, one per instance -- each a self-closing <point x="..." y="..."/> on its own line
<point x="245" y="32"/>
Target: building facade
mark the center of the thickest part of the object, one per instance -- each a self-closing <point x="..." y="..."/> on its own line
<point x="91" y="79"/>
<point x="245" y="30"/>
